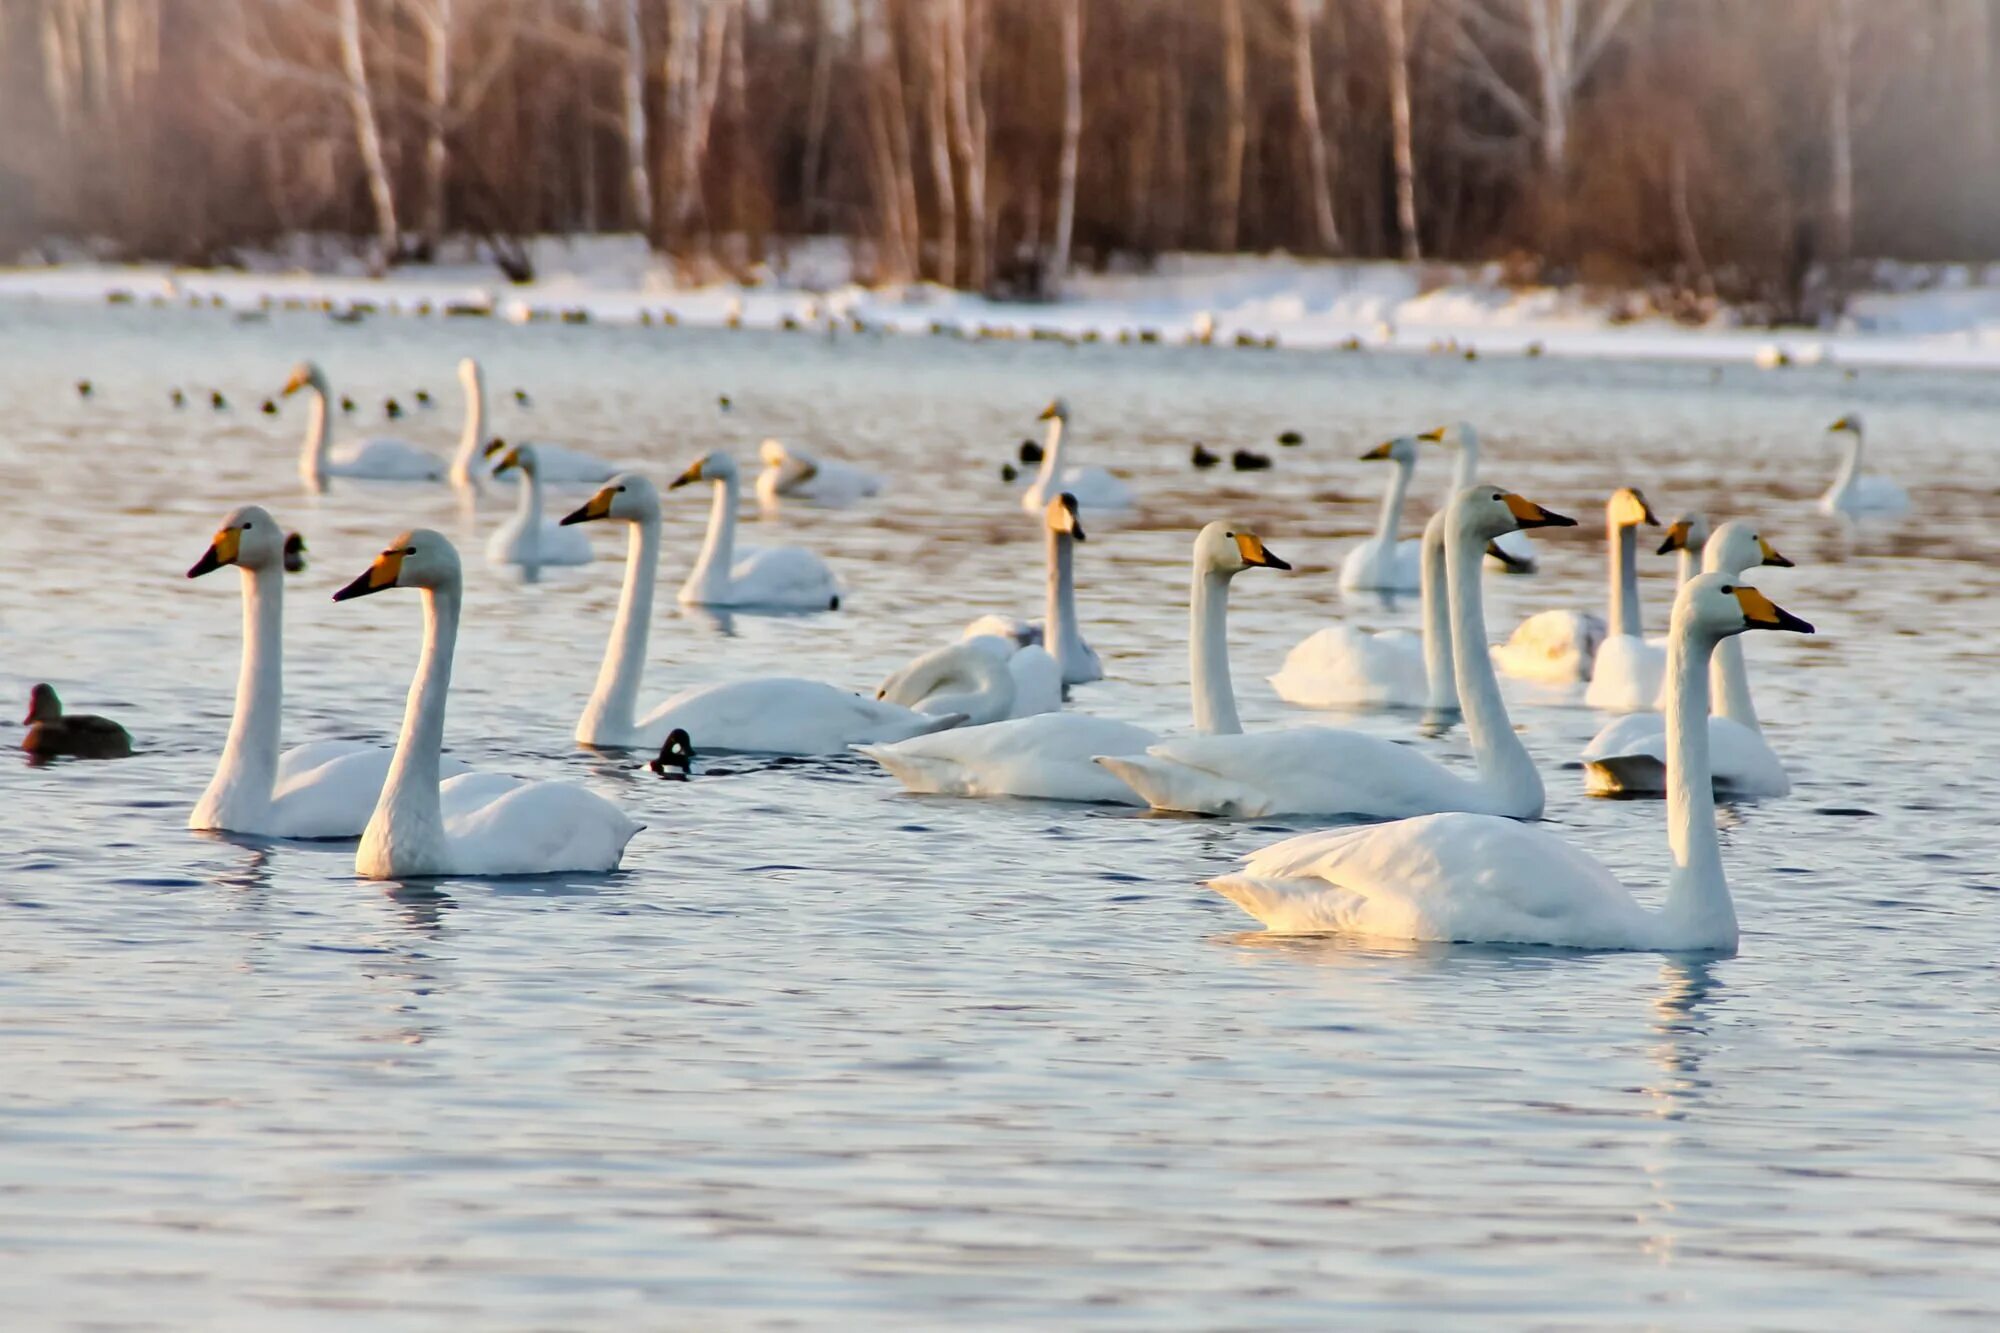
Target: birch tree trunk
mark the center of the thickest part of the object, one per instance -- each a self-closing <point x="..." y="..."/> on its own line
<point x="818" y="106"/>
<point x="937" y="99"/>
<point x="367" y="131"/>
<point x="1397" y="31"/>
<point x="437" y="27"/>
<point x="638" y="170"/>
<point x="1837" y="25"/>
<point x="1325" y="234"/>
<point x="1072" y="138"/>
<point x="968" y="130"/>
<point x="1229" y="184"/>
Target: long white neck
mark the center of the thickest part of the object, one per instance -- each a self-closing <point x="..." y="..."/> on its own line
<point x="1730" y="681"/>
<point x="312" y="456"/>
<point x="1625" y="581"/>
<point x="240" y="791"/>
<point x="1064" y="639"/>
<point x="1690" y="564"/>
<point x="1698" y="913"/>
<point x="1850" y="466"/>
<point x="1505" y="767"/>
<point x="1208" y="653"/>
<point x="1391" y="516"/>
<point x="528" y="513"/>
<point x="1051" y="460"/>
<point x="464" y="463"/>
<point x="710" y="575"/>
<point x="1440" y="683"/>
<point x="405" y="835"/>
<point x="611" y="714"/>
<point x="1466" y="473"/>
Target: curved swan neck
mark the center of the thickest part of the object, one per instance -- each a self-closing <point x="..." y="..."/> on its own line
<point x="406" y="833"/>
<point x="1064" y="640"/>
<point x="1850" y="466"/>
<point x="1505" y="767"/>
<point x="1466" y="472"/>
<point x="1440" y="683"/>
<point x="248" y="770"/>
<point x="462" y="462"/>
<point x="1051" y="459"/>
<point x="1698" y="911"/>
<point x="1730" y="681"/>
<point x="610" y="716"/>
<point x="312" y="458"/>
<point x="1625" y="581"/>
<point x="718" y="550"/>
<point x="528" y="510"/>
<point x="1391" y="516"/>
<point x="1208" y="653"/>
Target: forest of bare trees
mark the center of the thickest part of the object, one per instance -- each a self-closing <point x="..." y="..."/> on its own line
<point x="1711" y="146"/>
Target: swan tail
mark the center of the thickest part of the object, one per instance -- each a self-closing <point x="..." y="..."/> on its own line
<point x="941" y="722"/>
<point x="918" y="773"/>
<point x="1166" y="785"/>
<point x="1284" y="906"/>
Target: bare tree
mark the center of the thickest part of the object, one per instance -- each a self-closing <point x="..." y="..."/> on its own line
<point x="1072" y="138"/>
<point x="367" y="130"/>
<point x="968" y="130"/>
<point x="1229" y="182"/>
<point x="1396" y="29"/>
<point x="638" y="162"/>
<point x="1562" y="40"/>
<point x="937" y="125"/>
<point x="1306" y="92"/>
<point x="1837" y="35"/>
<point x="434" y="20"/>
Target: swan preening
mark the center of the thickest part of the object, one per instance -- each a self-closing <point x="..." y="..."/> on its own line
<point x="777" y="578"/>
<point x="1854" y="493"/>
<point x="1561" y="647"/>
<point x="474" y="823"/>
<point x="1094" y="488"/>
<point x="790" y="473"/>
<point x="1629" y="756"/>
<point x="1473" y="878"/>
<point x="1325" y="771"/>
<point x="375" y="459"/>
<point x="529" y="538"/>
<point x="1382" y="563"/>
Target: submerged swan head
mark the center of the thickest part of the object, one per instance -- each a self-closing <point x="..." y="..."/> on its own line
<point x="248" y="537"/>
<point x="1226" y="549"/>
<point x="627" y="497"/>
<point x="305" y="374"/>
<point x="715" y="466"/>
<point x="1486" y="512"/>
<point x="1736" y="546"/>
<point x="1688" y="532"/>
<point x="521" y="456"/>
<point x="1061" y="515"/>
<point x="1401" y="450"/>
<point x="420" y="558"/>
<point x="1627" y="508"/>
<point x="1848" y="425"/>
<point x="1716" y="606"/>
<point x="1057" y="410"/>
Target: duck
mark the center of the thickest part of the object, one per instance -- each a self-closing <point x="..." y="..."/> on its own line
<point x="1512" y="554"/>
<point x="1248" y="460"/>
<point x="1559" y="647"/>
<point x="1057" y="756"/>
<point x="294" y="554"/>
<point x="323" y="789"/>
<point x="1326" y="771"/>
<point x="177" y="398"/>
<point x="475" y="823"/>
<point x="1629" y="669"/>
<point x="217" y="401"/>
<point x="764" y="714"/>
<point x="775" y="578"/>
<point x="1029" y="453"/>
<point x="1202" y="458"/>
<point x="1382" y="563"/>
<point x="1476" y="879"/>
<point x="376" y="459"/>
<point x="54" y="734"/>
<point x="676" y="757"/>
<point x="527" y="538"/>
<point x="1628" y="757"/>
<point x="790" y="473"/>
<point x="1094" y="488"/>
<point x="1290" y="439"/>
<point x="84" y="388"/>
<point x="392" y="409"/>
<point x="1340" y="666"/>
<point x="1855" y="493"/>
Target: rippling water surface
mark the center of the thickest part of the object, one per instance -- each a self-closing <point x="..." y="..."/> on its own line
<point x="829" y="1053"/>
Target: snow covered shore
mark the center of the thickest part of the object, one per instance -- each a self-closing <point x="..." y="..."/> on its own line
<point x="1934" y="317"/>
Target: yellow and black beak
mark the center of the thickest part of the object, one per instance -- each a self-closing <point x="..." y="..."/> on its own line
<point x="1677" y="536"/>
<point x="687" y="478"/>
<point x="1771" y="556"/>
<point x="1252" y="547"/>
<point x="220" y="552"/>
<point x="493" y="446"/>
<point x="1528" y="514"/>
<point x="298" y="380"/>
<point x="596" y="507"/>
<point x="1433" y="436"/>
<point x="1379" y="452"/>
<point x="1050" y="413"/>
<point x="1646" y="509"/>
<point x="383" y="573"/>
<point x="1845" y="423"/>
<point x="1762" y="613"/>
<point x="508" y="462"/>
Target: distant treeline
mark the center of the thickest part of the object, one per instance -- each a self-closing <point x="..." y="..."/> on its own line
<point x="1706" y="147"/>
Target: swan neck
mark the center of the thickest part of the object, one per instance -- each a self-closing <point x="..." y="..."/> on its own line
<point x="462" y="473"/>
<point x="1505" y="768"/>
<point x="1208" y="654"/>
<point x="409" y="815"/>
<point x="1730" y="681"/>
<point x="1052" y="450"/>
<point x="1698" y="911"/>
<point x="1625" y="581"/>
<point x="1062" y="633"/>
<point x="1466" y="472"/>
<point x="312" y="458"/>
<point x="248" y="770"/>
<point x="528" y="513"/>
<point x="1850" y="465"/>
<point x="718" y="549"/>
<point x="1690" y="565"/>
<point x="1441" y="684"/>
<point x="1391" y="515"/>
<point x="611" y="715"/>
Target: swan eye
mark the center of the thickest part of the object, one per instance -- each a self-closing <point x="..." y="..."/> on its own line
<point x="247" y="525"/>
<point x="1230" y="535"/>
<point x="621" y="490"/>
<point x="1727" y="588"/>
<point x="409" y="550"/>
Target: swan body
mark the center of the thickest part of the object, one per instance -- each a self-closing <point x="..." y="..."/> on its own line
<point x="1626" y="675"/>
<point x="1629" y="756"/>
<point x="1556" y="647"/>
<point x="976" y="678"/>
<point x="775" y="578"/>
<point x="375" y="459"/>
<point x="527" y="538"/>
<point x="1382" y="563"/>
<point x="791" y="473"/>
<point x="1093" y="487"/>
<point x="1471" y="878"/>
<point x="1326" y="771"/>
<point x="475" y="823"/>
<point x="1854" y="493"/>
<point x="1513" y="553"/>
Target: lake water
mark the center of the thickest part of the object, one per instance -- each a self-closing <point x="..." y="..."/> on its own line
<point x="825" y="1053"/>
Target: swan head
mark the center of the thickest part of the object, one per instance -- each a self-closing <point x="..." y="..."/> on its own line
<point x="1487" y="512"/>
<point x="1688" y="532"/>
<point x="1457" y="435"/>
<point x="468" y="372"/>
<point x="1061" y="515"/>
<point x="1847" y="425"/>
<point x="306" y="374"/>
<point x="1627" y="508"/>
<point x="420" y="558"/>
<point x="521" y="456"/>
<point x="248" y="537"/>
<point x="1057" y="410"/>
<point x="1736" y="546"/>
<point x="1226" y="549"/>
<point x="716" y="466"/>
<point x="627" y="497"/>
<point x="772" y="453"/>
<point x="1402" y="450"/>
<point x="1717" y="606"/>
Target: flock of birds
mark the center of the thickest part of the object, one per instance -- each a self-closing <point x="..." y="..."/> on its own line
<point x="1445" y="856"/>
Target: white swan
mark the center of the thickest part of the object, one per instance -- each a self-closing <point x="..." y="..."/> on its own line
<point x="475" y="823"/>
<point x="323" y="789"/>
<point x="774" y="714"/>
<point x="474" y="460"/>
<point x="1325" y="771"/>
<point x="974" y="678"/>
<point x="792" y="473"/>
<point x="1512" y="554"/>
<point x="1853" y="492"/>
<point x="1343" y="667"/>
<point x="1093" y="487"/>
<point x="1476" y="879"/>
<point x="778" y="577"/>
<point x="1056" y="756"/>
<point x="375" y="460"/>
<point x="1383" y="563"/>
<point x="1629" y="756"/>
<point x="527" y="538"/>
<point x="1688" y="534"/>
<point x="1627" y="673"/>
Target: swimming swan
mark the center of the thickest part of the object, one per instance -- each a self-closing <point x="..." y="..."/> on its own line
<point x="1476" y="879"/>
<point x="375" y="460"/>
<point x="772" y="714"/>
<point x="1853" y="492"/>
<point x="1055" y="756"/>
<point x="1512" y="554"/>
<point x="1326" y="771"/>
<point x="777" y="578"/>
<point x="791" y="473"/>
<point x="1093" y="487"/>
<point x="1628" y="671"/>
<point x="1629" y="756"/>
<point x="475" y="823"/>
<point x="1382" y="563"/>
<point x="527" y="538"/>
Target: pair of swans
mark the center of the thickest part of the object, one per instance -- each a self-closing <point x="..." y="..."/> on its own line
<point x="1056" y="756"/>
<point x="1383" y="563"/>
<point x="1094" y="488"/>
<point x="775" y="578"/>
<point x="1854" y="493"/>
<point x="1564" y="646"/>
<point x="790" y="473"/>
<point x="1629" y="756"/>
<point x="1472" y="878"/>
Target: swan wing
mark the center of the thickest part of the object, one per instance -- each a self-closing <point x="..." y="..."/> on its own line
<point x="1629" y="757"/>
<point x="1038" y="682"/>
<point x="328" y="789"/>
<point x="1555" y="646"/>
<point x="784" y="715"/>
<point x="1047" y="757"/>
<point x="1627" y="675"/>
<point x="496" y="825"/>
<point x="783" y="576"/>
<point x="560" y="464"/>
<point x="385" y="460"/>
<point x="1342" y="667"/>
<point x="1300" y="771"/>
